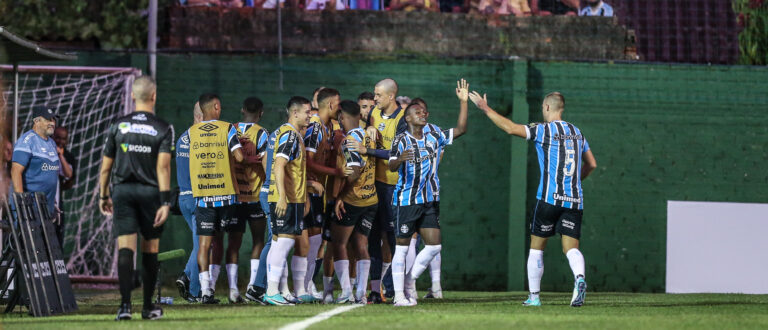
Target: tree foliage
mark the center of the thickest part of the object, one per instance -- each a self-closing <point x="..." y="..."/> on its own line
<point x="753" y="39"/>
<point x="112" y="23"/>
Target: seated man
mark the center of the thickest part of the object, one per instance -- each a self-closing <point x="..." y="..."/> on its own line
<point x="555" y="7"/>
<point x="505" y="7"/>
<point x="596" y="8"/>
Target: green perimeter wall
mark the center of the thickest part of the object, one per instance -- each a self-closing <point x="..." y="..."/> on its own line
<point x="659" y="132"/>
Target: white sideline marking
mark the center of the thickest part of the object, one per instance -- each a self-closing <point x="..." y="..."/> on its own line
<point x="318" y="318"/>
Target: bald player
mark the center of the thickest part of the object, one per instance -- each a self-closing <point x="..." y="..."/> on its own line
<point x="564" y="160"/>
<point x="387" y="118"/>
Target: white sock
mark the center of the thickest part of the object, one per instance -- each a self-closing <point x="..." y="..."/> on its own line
<point x="284" y="279"/>
<point x="384" y="267"/>
<point x="363" y="268"/>
<point x="299" y="270"/>
<point x="276" y="263"/>
<point x="314" y="246"/>
<point x="327" y="285"/>
<point x="398" y="271"/>
<point x="214" y="271"/>
<point x="576" y="260"/>
<point x="254" y="270"/>
<point x="232" y="275"/>
<point x="205" y="283"/>
<point x="342" y="273"/>
<point x="423" y="259"/>
<point x="535" y="270"/>
<point x="410" y="258"/>
<point x="434" y="272"/>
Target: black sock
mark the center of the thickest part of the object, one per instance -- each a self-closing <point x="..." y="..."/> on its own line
<point x="318" y="264"/>
<point x="149" y="277"/>
<point x="125" y="274"/>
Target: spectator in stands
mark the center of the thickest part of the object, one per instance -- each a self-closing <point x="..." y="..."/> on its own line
<point x="326" y="5"/>
<point x="596" y="8"/>
<point x="455" y="6"/>
<point x="222" y="3"/>
<point x="413" y="5"/>
<point x="505" y="7"/>
<point x="555" y="7"/>
<point x="61" y="137"/>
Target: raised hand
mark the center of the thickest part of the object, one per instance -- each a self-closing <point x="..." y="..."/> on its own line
<point x="479" y="101"/>
<point x="462" y="90"/>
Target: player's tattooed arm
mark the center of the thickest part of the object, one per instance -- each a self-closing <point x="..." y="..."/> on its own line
<point x="502" y="122"/>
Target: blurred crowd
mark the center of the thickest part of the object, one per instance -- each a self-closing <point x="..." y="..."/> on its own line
<point x="486" y="7"/>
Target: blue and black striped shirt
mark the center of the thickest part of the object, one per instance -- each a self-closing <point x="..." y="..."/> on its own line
<point x="415" y="184"/>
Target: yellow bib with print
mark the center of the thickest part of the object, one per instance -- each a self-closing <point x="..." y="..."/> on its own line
<point x="387" y="128"/>
<point x="295" y="173"/>
<point x="249" y="178"/>
<point x="209" y="163"/>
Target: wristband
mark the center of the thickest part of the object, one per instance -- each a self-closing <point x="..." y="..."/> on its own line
<point x="165" y="198"/>
<point x="104" y="198"/>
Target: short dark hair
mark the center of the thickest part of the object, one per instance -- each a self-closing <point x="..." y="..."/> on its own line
<point x="253" y="105"/>
<point x="296" y="101"/>
<point x="411" y="105"/>
<point x="421" y="101"/>
<point x="350" y="107"/>
<point x="206" y="100"/>
<point x="326" y="93"/>
<point x="365" y="96"/>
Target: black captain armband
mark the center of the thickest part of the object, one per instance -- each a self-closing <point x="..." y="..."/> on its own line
<point x="104" y="197"/>
<point x="165" y="198"/>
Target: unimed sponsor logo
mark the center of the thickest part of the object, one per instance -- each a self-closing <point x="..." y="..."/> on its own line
<point x="210" y="186"/>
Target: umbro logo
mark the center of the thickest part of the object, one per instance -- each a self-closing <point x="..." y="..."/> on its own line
<point x="208" y="127"/>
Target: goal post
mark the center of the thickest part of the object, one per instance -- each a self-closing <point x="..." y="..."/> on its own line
<point x="87" y="101"/>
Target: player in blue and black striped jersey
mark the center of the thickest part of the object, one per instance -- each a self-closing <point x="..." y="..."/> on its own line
<point x="564" y="160"/>
<point x="414" y="156"/>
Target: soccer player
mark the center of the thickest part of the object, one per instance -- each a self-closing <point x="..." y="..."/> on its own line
<point x="213" y="143"/>
<point x="561" y="149"/>
<point x="414" y="156"/>
<point x="287" y="193"/>
<point x="189" y="281"/>
<point x="139" y="146"/>
<point x="387" y="119"/>
<point x="249" y="182"/>
<point x="366" y="103"/>
<point x="317" y="140"/>
<point x="355" y="208"/>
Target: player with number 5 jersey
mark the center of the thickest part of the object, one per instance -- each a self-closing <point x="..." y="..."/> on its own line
<point x="564" y="160"/>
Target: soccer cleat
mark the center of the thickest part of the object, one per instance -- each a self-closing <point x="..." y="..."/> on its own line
<point x="361" y="301"/>
<point x="375" y="298"/>
<point x="152" y="313"/>
<point x="277" y="300"/>
<point x="316" y="294"/>
<point x="434" y="295"/>
<point x="234" y="297"/>
<point x="183" y="284"/>
<point x="209" y="300"/>
<point x="579" y="292"/>
<point x="345" y="299"/>
<point x="124" y="313"/>
<point x="255" y="294"/>
<point x="405" y="302"/>
<point x="532" y="301"/>
<point x="328" y="299"/>
<point x="290" y="298"/>
<point x="307" y="299"/>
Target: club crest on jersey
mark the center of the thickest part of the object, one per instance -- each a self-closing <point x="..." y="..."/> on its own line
<point x="382" y="126"/>
<point x="185" y="139"/>
<point x="404" y="229"/>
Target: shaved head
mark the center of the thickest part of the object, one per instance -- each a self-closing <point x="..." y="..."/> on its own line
<point x="143" y="89"/>
<point x="555" y="100"/>
<point x="389" y="85"/>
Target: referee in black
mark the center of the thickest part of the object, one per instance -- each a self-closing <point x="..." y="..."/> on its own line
<point x="139" y="145"/>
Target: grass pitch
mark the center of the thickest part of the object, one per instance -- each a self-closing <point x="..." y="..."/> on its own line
<point x="459" y="310"/>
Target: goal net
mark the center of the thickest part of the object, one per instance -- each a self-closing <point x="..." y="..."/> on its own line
<point x="87" y="101"/>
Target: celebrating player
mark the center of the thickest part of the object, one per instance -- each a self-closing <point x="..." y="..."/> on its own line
<point x="139" y="145"/>
<point x="287" y="193"/>
<point x="561" y="148"/>
<point x="414" y="155"/>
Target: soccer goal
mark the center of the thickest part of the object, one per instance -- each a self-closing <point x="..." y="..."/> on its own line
<point x="87" y="100"/>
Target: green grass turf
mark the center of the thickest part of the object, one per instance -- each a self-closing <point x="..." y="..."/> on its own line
<point x="459" y="310"/>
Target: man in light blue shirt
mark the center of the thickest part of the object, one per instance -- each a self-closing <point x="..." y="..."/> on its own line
<point x="37" y="163"/>
<point x="596" y="8"/>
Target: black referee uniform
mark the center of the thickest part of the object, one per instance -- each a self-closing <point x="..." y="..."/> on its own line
<point x="134" y="142"/>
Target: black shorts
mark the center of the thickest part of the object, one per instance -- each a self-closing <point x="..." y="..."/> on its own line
<point x="250" y="212"/>
<point x="360" y="217"/>
<point x="330" y="217"/>
<point x="134" y="206"/>
<point x="316" y="217"/>
<point x="291" y="223"/>
<point x="548" y="219"/>
<point x="411" y="218"/>
<point x="212" y="220"/>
